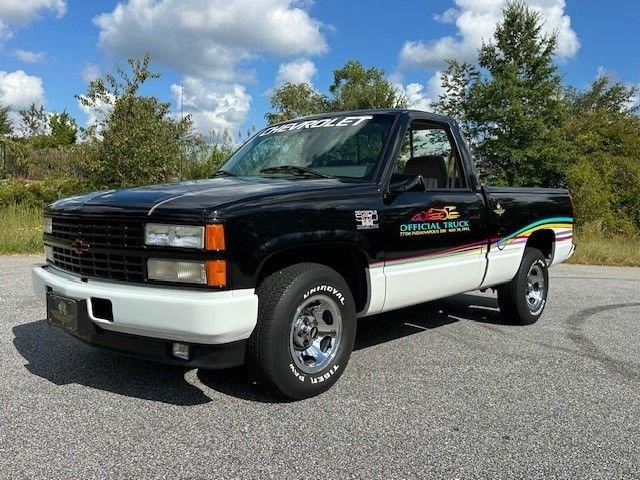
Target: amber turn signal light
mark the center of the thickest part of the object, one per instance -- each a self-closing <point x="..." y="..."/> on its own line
<point x="214" y="237"/>
<point x="217" y="273"/>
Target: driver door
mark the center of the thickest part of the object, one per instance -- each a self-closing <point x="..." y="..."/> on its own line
<point x="435" y="237"/>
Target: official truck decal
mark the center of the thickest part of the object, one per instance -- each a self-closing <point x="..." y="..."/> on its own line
<point x="562" y="227"/>
<point x="435" y="221"/>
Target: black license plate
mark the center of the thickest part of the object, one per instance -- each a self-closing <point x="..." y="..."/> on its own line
<point x="62" y="311"/>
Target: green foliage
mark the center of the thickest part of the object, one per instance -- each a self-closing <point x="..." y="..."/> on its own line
<point x="527" y="130"/>
<point x="457" y="79"/>
<point x="38" y="193"/>
<point x="5" y="122"/>
<point x="63" y="129"/>
<point x="295" y="100"/>
<point x="354" y="87"/>
<point x="34" y="121"/>
<point x="204" y="159"/>
<point x="516" y="109"/>
<point x="605" y="136"/>
<point x="140" y="141"/>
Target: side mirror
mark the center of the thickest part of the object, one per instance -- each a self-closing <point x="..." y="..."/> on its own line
<point x="408" y="185"/>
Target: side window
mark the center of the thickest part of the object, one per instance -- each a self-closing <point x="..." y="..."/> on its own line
<point x="428" y="151"/>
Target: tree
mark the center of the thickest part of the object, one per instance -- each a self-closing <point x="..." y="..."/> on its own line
<point x="295" y="100"/>
<point x="605" y="179"/>
<point x="34" y="121"/>
<point x="141" y="142"/>
<point x="457" y="80"/>
<point x="63" y="129"/>
<point x="6" y="127"/>
<point x="514" y="107"/>
<point x="354" y="87"/>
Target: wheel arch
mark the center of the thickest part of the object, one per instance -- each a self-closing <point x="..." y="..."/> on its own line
<point x="348" y="259"/>
<point x="544" y="240"/>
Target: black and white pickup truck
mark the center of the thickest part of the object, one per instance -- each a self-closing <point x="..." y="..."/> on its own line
<point x="311" y="224"/>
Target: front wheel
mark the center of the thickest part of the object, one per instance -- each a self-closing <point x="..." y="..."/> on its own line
<point x="523" y="299"/>
<point x="305" y="331"/>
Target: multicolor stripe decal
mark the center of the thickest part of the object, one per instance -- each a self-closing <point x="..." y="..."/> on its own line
<point x="562" y="226"/>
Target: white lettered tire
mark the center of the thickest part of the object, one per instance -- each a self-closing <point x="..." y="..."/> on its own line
<point x="305" y="331"/>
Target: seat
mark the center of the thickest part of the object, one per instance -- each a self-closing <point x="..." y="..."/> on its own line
<point x="433" y="169"/>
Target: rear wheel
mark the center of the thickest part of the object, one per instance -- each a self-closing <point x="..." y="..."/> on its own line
<point x="523" y="299"/>
<point x="305" y="331"/>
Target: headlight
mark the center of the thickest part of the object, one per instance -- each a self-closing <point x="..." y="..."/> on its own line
<point x="211" y="272"/>
<point x="48" y="225"/>
<point x="184" y="236"/>
<point x="183" y="271"/>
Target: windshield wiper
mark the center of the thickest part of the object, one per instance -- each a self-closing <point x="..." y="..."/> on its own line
<point x="221" y="173"/>
<point x="295" y="170"/>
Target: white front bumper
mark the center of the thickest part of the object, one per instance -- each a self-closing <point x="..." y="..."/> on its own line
<point x="168" y="313"/>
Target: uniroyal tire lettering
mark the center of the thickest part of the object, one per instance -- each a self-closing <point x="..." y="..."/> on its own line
<point x="326" y="289"/>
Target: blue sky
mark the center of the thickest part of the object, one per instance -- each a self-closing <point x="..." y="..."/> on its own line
<point x="228" y="54"/>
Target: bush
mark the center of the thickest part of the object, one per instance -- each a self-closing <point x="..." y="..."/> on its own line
<point x="38" y="193"/>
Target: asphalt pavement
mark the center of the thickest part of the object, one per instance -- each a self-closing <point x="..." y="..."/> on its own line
<point x="440" y="390"/>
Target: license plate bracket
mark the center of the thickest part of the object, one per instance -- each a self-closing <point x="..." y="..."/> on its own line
<point x="62" y="311"/>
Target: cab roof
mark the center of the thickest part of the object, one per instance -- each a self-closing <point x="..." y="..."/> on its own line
<point x="380" y="111"/>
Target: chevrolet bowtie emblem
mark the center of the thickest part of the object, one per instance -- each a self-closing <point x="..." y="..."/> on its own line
<point x="80" y="246"/>
<point x="498" y="210"/>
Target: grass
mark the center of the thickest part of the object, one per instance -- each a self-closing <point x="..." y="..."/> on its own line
<point x="20" y="229"/>
<point x="21" y="232"/>
<point x="618" y="251"/>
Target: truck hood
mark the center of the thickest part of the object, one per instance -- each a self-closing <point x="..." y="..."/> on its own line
<point x="200" y="197"/>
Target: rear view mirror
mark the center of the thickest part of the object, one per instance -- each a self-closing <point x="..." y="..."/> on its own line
<point x="413" y="184"/>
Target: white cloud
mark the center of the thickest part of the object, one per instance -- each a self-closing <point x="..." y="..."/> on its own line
<point x="418" y="96"/>
<point x="476" y="21"/>
<point x="18" y="13"/>
<point x="212" y="105"/>
<point x="90" y="72"/>
<point x="28" y="56"/>
<point x="21" y="12"/>
<point x="210" y="39"/>
<point x="19" y="90"/>
<point x="297" y="71"/>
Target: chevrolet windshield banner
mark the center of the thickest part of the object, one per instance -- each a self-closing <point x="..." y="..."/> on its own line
<point x="318" y="123"/>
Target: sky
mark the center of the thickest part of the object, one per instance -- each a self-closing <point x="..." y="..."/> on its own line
<point x="220" y="59"/>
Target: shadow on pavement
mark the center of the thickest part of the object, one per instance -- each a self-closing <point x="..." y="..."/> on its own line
<point x="63" y="360"/>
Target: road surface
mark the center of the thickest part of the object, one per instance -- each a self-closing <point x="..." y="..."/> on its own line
<point x="441" y="390"/>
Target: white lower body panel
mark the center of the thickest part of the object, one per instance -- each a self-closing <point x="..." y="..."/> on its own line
<point x="414" y="282"/>
<point x="168" y="313"/>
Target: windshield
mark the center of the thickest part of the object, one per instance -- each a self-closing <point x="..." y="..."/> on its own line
<point x="334" y="146"/>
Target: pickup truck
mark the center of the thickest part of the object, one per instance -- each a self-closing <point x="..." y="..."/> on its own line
<point x="309" y="225"/>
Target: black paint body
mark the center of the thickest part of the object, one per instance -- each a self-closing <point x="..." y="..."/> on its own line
<point x="267" y="216"/>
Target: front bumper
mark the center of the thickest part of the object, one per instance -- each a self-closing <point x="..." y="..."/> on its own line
<point x="215" y="356"/>
<point x="199" y="317"/>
